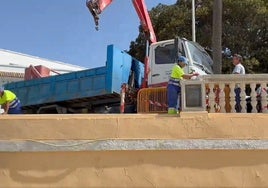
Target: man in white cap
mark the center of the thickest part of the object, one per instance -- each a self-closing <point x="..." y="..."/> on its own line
<point x="174" y="87"/>
<point x="9" y="102"/>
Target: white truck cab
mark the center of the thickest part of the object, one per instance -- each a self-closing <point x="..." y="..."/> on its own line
<point x="163" y="55"/>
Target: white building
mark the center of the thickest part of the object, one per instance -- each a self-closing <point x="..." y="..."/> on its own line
<point x="13" y="64"/>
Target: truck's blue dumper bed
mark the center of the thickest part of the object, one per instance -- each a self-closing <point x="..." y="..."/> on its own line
<point x="97" y="85"/>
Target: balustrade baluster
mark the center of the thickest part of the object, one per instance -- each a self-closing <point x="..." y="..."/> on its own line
<point x="243" y="97"/>
<point x="253" y="96"/>
<point x="232" y="97"/>
<point x="211" y="97"/>
<point x="264" y="98"/>
<point x="222" y="97"/>
<point x="227" y="98"/>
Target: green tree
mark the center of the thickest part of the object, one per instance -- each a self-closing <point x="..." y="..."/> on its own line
<point x="244" y="29"/>
<point x="246" y="32"/>
<point x="168" y="22"/>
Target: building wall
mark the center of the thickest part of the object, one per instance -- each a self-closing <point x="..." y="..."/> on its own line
<point x="136" y="150"/>
<point x="13" y="64"/>
<point x="7" y="77"/>
<point x="17" y="62"/>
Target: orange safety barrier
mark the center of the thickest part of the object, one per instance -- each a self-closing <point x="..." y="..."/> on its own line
<point x="152" y="100"/>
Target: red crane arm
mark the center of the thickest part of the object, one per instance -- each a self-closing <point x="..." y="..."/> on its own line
<point x="145" y="19"/>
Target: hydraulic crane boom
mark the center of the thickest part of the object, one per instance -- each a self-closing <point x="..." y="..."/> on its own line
<point x="146" y="23"/>
<point x="96" y="7"/>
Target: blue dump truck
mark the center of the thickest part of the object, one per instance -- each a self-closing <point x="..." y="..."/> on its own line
<point x="94" y="90"/>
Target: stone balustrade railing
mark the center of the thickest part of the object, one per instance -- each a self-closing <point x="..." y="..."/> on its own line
<point x="236" y="93"/>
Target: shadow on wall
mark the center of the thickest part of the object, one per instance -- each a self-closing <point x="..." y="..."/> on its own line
<point x="45" y="168"/>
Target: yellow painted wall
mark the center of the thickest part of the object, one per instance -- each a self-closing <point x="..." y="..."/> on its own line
<point x="135" y="169"/>
<point x="134" y="126"/>
<point x="156" y="168"/>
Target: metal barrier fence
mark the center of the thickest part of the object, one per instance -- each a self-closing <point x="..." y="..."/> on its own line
<point x="152" y="100"/>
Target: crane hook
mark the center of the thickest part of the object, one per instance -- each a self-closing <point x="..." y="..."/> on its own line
<point x="95" y="11"/>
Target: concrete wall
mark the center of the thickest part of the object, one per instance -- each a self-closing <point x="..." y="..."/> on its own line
<point x="192" y="168"/>
<point x="196" y="149"/>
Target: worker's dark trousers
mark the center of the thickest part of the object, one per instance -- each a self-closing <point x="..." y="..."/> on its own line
<point x="15" y="110"/>
<point x="173" y="92"/>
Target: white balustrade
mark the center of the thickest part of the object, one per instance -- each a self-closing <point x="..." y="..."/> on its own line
<point x="221" y="97"/>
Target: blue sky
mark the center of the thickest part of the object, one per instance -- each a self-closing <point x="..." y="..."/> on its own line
<point x="64" y="30"/>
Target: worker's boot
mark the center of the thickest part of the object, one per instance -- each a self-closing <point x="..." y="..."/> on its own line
<point x="172" y="111"/>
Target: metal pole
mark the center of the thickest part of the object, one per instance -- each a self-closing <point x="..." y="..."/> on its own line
<point x="123" y="96"/>
<point x="217" y="36"/>
<point x="193" y="20"/>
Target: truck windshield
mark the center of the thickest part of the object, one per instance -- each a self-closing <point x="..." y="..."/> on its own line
<point x="200" y="56"/>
